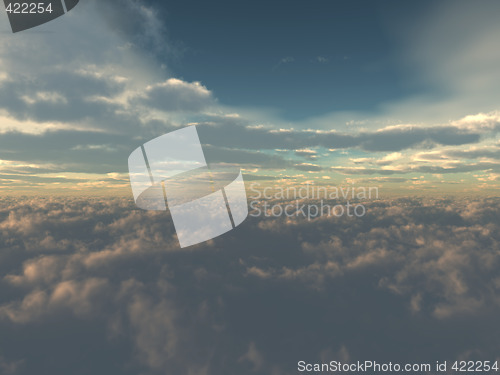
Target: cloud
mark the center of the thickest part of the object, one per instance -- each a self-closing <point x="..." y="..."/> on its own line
<point x="247" y="158"/>
<point x="253" y="356"/>
<point x="249" y="301"/>
<point x="284" y="60"/>
<point x="394" y="138"/>
<point x="156" y="332"/>
<point x="96" y="107"/>
<point x="92" y="100"/>
<point x="101" y="280"/>
<point x="69" y="98"/>
<point x="308" y="167"/>
<point x="487" y="153"/>
<point x="460" y="168"/>
<point x="228" y="140"/>
<point x="307" y="154"/>
<point x="10" y="367"/>
<point x="177" y="95"/>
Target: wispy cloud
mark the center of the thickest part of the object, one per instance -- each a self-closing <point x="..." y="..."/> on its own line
<point x="284" y="60"/>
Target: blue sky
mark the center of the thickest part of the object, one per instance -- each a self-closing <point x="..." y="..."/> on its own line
<point x="303" y="59"/>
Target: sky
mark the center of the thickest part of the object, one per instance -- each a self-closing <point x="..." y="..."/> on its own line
<point x="398" y="96"/>
<point x="301" y="60"/>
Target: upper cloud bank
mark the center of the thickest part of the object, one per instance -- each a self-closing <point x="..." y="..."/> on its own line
<point x="77" y="99"/>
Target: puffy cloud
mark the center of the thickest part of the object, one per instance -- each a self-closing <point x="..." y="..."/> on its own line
<point x="257" y="299"/>
<point x="82" y="298"/>
<point x="9" y="367"/>
<point x="101" y="279"/>
<point x="93" y="98"/>
<point x="409" y="241"/>
<point x="253" y="356"/>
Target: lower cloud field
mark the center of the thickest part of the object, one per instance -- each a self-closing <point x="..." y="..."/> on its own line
<point x="85" y="283"/>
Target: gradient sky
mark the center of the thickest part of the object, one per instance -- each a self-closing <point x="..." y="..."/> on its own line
<point x="403" y="95"/>
<point x="304" y="60"/>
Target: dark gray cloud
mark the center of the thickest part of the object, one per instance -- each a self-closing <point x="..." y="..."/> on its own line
<point x="176" y="95"/>
<point x="245" y="157"/>
<point x="308" y="167"/>
<point x="102" y="280"/>
<point x="73" y="151"/>
<point x="460" y="168"/>
<point x="95" y="151"/>
<point x="391" y="139"/>
<point x="58" y="95"/>
<point x="307" y="154"/>
<point x="489" y="153"/>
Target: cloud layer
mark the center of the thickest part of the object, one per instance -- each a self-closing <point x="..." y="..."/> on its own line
<point x="70" y="117"/>
<point x="100" y="279"/>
